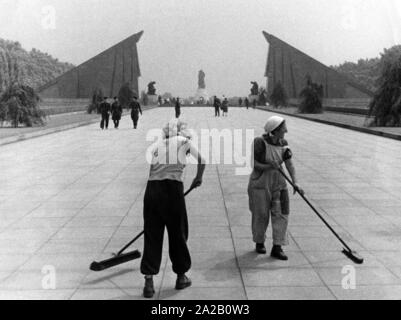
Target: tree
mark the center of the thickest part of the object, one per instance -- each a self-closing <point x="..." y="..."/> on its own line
<point x="262" y="96"/>
<point x="279" y="96"/>
<point x="19" y="105"/>
<point x="385" y="106"/>
<point x="126" y="94"/>
<point x="32" y="68"/>
<point x="311" y="97"/>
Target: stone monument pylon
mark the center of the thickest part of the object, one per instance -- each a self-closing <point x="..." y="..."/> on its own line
<point x="202" y="95"/>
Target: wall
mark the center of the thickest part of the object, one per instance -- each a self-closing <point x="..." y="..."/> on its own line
<point x="291" y="67"/>
<point x="109" y="71"/>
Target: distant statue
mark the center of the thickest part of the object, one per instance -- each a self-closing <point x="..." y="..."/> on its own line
<point x="201" y="81"/>
<point x="255" y="89"/>
<point x="151" y="88"/>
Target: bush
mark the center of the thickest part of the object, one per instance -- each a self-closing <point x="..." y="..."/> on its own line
<point x="97" y="98"/>
<point x="278" y="96"/>
<point x="386" y="104"/>
<point x="262" y="96"/>
<point x="311" y="98"/>
<point x="19" y="105"/>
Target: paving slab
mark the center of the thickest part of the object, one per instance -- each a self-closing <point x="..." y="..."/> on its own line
<point x="76" y="196"/>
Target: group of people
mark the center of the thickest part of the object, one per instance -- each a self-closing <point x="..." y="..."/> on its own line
<point x="220" y="105"/>
<point x="116" y="110"/>
<point x="106" y="109"/>
<point x="164" y="202"/>
<point x="247" y="103"/>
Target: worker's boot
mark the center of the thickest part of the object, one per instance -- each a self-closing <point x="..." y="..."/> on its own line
<point x="148" y="290"/>
<point x="182" y="282"/>
<point x="278" y="253"/>
<point x="260" y="248"/>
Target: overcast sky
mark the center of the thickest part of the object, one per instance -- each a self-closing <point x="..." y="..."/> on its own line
<point x="222" y="37"/>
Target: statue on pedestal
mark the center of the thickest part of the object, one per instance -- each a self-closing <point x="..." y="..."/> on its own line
<point x="201" y="96"/>
<point x="255" y="88"/>
<point x="201" y="80"/>
<point x="151" y="88"/>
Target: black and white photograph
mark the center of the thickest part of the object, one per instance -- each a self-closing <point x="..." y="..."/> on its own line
<point x="214" y="152"/>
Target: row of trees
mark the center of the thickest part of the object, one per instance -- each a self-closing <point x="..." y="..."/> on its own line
<point x="385" y="107"/>
<point x="33" y="68"/>
<point x="365" y="71"/>
<point x="125" y="96"/>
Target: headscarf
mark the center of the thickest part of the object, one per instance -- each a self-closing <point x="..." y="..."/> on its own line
<point x="176" y="127"/>
<point x="273" y="123"/>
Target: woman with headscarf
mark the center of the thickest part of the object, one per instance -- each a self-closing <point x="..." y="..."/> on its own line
<point x="164" y="205"/>
<point x="267" y="190"/>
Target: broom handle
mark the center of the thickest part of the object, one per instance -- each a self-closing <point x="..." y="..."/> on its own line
<point x="142" y="233"/>
<point x="313" y="208"/>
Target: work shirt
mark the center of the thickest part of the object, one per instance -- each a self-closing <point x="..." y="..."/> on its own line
<point x="169" y="158"/>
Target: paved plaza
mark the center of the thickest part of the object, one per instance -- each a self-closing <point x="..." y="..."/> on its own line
<point x="76" y="196"/>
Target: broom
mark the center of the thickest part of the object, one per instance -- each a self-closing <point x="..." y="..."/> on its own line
<point x="120" y="257"/>
<point x="353" y="255"/>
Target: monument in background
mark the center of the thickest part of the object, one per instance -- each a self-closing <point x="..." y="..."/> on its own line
<point x="254" y="96"/>
<point x="152" y="98"/>
<point x="108" y="71"/>
<point x="201" y="95"/>
<point x="291" y="67"/>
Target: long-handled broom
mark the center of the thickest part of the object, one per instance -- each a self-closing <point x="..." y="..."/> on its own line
<point x="347" y="251"/>
<point x="120" y="257"/>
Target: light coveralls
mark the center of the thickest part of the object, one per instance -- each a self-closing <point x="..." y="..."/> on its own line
<point x="268" y="196"/>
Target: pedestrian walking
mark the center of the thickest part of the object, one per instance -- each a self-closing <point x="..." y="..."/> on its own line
<point x="247" y="103"/>
<point x="135" y="110"/>
<point x="224" y="107"/>
<point x="116" y="112"/>
<point x="240" y="102"/>
<point x="216" y="104"/>
<point x="105" y="110"/>
<point x="267" y="189"/>
<point x="164" y="205"/>
<point x="177" y="108"/>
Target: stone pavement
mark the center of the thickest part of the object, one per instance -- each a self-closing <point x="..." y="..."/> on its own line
<point x="72" y="197"/>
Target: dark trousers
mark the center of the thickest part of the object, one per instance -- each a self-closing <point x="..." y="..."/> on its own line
<point x="164" y="207"/>
<point x="116" y="123"/>
<point x="105" y="121"/>
<point x="177" y="113"/>
<point x="217" y="112"/>
<point x="135" y="118"/>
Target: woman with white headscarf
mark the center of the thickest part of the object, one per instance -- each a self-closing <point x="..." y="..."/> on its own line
<point x="267" y="190"/>
<point x="164" y="205"/>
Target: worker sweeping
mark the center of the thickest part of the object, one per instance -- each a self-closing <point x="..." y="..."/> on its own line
<point x="267" y="189"/>
<point x="164" y="205"/>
